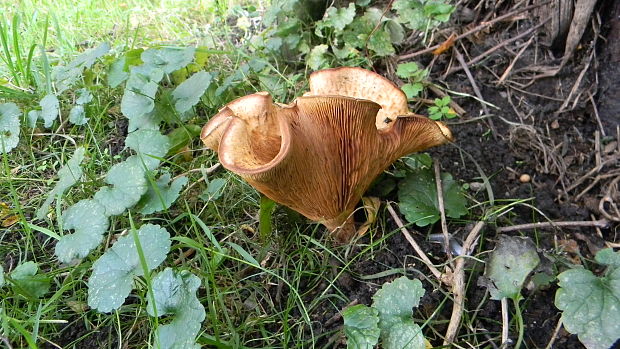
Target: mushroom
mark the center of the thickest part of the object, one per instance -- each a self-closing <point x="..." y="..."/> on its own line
<point x="320" y="153"/>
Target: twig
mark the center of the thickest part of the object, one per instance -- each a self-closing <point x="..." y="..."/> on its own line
<point x="478" y="28"/>
<point x="576" y="84"/>
<point x="594" y="170"/>
<point x="486" y="53"/>
<point x="514" y="60"/>
<point x="458" y="283"/>
<point x="442" y="212"/>
<point x="598" y="118"/>
<point x="505" y="321"/>
<point x="601" y="223"/>
<point x="555" y="334"/>
<point x="415" y="245"/>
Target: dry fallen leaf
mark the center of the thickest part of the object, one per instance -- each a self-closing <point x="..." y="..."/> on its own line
<point x="446" y="45"/>
<point x="9" y="221"/>
<point x="371" y="205"/>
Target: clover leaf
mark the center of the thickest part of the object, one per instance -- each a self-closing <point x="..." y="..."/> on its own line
<point x="513" y="259"/>
<point x="360" y="326"/>
<point x="68" y="175"/>
<point x="89" y="223"/>
<point x="161" y="194"/>
<point x="188" y="93"/>
<point x="9" y="127"/>
<point x="591" y="304"/>
<point x="417" y="194"/>
<point x="175" y="294"/>
<point x="113" y="273"/>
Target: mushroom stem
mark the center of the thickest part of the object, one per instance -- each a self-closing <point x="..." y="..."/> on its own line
<point x="343" y="232"/>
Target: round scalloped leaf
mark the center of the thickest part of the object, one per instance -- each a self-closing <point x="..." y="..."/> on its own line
<point x="84" y="96"/>
<point x="50" y="107"/>
<point x="395" y="300"/>
<point x="113" y="273"/>
<point x="77" y="115"/>
<point x="89" y="222"/>
<point x="9" y="127"/>
<point x="513" y="259"/>
<point x="403" y="335"/>
<point x="128" y="185"/>
<point x="168" y="59"/>
<point x="175" y="293"/>
<point x="117" y="73"/>
<point x="360" y="326"/>
<point x="590" y="304"/>
<point x="150" y="145"/>
<point x="27" y="282"/>
<point x="161" y="196"/>
<point x="188" y="93"/>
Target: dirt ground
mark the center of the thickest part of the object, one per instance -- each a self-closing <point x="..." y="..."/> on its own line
<point x="545" y="127"/>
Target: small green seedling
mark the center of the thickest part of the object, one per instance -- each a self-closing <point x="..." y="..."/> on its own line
<point x="512" y="261"/>
<point x="591" y="304"/>
<point x="441" y="109"/>
<point x="388" y="319"/>
<point x="415" y="77"/>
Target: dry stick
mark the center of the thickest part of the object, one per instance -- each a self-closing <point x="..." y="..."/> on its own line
<point x="415" y="246"/>
<point x="594" y="170"/>
<point x="472" y="81"/>
<point x="514" y="61"/>
<point x="458" y="283"/>
<point x="598" y="118"/>
<point x="505" y="321"/>
<point x="486" y="53"/>
<point x="555" y="334"/>
<point x="601" y="223"/>
<point x="478" y="28"/>
<point x="442" y="212"/>
<point x="576" y="85"/>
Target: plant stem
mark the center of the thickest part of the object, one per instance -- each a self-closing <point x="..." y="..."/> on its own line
<point x="519" y="322"/>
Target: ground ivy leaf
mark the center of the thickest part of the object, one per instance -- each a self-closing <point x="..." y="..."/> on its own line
<point x="337" y="18"/>
<point x="49" y="109"/>
<point x="417" y="194"/>
<point x="77" y="115"/>
<point x="89" y="223"/>
<point x="128" y="185"/>
<point x="403" y="335"/>
<point x="148" y="121"/>
<point x="84" y="96"/>
<point x="214" y="190"/>
<point x="188" y="93"/>
<point x="32" y="117"/>
<point x="68" y="175"/>
<point x="113" y="273"/>
<point x="316" y="59"/>
<point x="513" y="259"/>
<point x="150" y="146"/>
<point x="360" y="326"/>
<point x="160" y="199"/>
<point x="65" y="76"/>
<point x="27" y="282"/>
<point x="381" y="43"/>
<point x="395" y="300"/>
<point x="117" y="73"/>
<point x="168" y="59"/>
<point x="140" y="90"/>
<point x="590" y="304"/>
<point x="9" y="126"/>
<point x="175" y="294"/>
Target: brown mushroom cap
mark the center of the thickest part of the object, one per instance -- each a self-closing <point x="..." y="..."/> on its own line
<point x="319" y="154"/>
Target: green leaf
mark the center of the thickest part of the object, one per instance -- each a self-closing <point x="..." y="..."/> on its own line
<point x="175" y="294"/>
<point x="412" y="90"/>
<point x="128" y="185"/>
<point x="188" y="93"/>
<point x="27" y="282"/>
<point x="84" y="96"/>
<point x="113" y="273"/>
<point x="396" y="31"/>
<point x="32" y="118"/>
<point x="1" y="275"/>
<point x="411" y="13"/>
<point x="150" y="145"/>
<point x="68" y="175"/>
<point x="360" y="326"/>
<point x="335" y="18"/>
<point x="66" y="76"/>
<point x="9" y="127"/>
<point x="168" y="59"/>
<point x="406" y="70"/>
<point x="214" y="190"/>
<point x="161" y="196"/>
<point x="395" y="300"/>
<point x="419" y="160"/>
<point x="49" y="109"/>
<point x="403" y="335"/>
<point x="513" y="259"/>
<point x="77" y="115"/>
<point x="590" y="304"/>
<point x="417" y="194"/>
<point x="89" y="223"/>
<point x="181" y="137"/>
<point x="117" y="73"/>
<point x="316" y="59"/>
<point x="140" y="91"/>
<point x="381" y="43"/>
